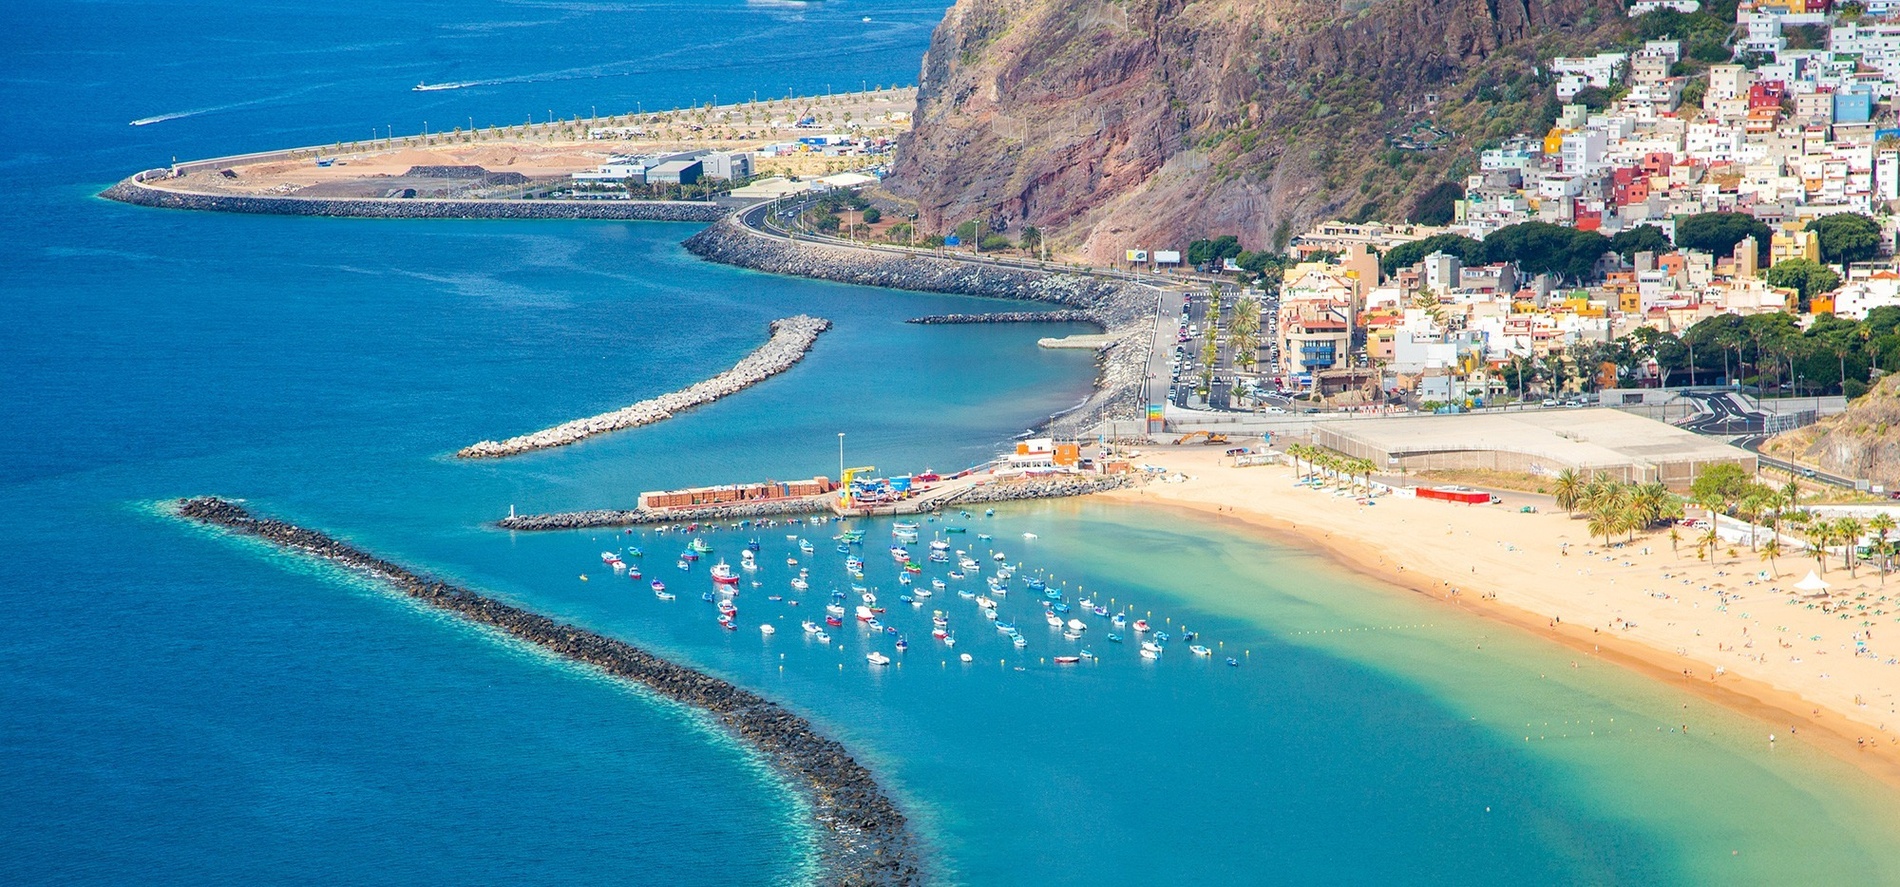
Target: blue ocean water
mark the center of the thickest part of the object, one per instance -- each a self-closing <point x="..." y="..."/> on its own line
<point x="180" y="707"/>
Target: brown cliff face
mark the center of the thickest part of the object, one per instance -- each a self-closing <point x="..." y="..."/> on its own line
<point x="1146" y="123"/>
<point x="1863" y="442"/>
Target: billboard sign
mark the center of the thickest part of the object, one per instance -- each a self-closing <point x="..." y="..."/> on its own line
<point x="1167" y="257"/>
<point x="1137" y="255"/>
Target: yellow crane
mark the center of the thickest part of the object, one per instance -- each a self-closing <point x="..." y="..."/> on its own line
<point x="844" y="483"/>
<point x="1212" y="438"/>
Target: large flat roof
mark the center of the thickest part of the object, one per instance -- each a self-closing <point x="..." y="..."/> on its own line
<point x="1594" y="437"/>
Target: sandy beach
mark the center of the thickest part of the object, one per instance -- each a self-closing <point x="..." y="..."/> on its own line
<point x="1717" y="629"/>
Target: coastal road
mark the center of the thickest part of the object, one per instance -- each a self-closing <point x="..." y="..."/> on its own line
<point x="1753" y="442"/>
<point x="1727" y="414"/>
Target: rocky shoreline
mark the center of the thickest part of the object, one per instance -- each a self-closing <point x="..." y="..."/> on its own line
<point x="1124" y="309"/>
<point x="1059" y="315"/>
<point x="869" y="837"/>
<point x="1048" y="488"/>
<point x="134" y="191"/>
<point x="792" y="338"/>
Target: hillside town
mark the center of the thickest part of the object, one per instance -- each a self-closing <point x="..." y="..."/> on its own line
<point x="1740" y="208"/>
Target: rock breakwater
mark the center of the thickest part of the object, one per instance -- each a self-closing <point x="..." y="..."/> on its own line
<point x="869" y="838"/>
<point x="1045" y="488"/>
<point x="1060" y="315"/>
<point x="606" y="517"/>
<point x="136" y="192"/>
<point x="791" y="339"/>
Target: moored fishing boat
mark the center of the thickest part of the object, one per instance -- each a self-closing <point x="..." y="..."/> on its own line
<point x="834" y="621"/>
<point x="804" y="546"/>
<point x="725" y="622"/>
<point x="1199" y="650"/>
<point x="1051" y="618"/>
<point x="902" y="644"/>
<point x="809" y="626"/>
<point x="1067" y="660"/>
<point x="1118" y="620"/>
<point x="876" y="658"/>
<point x="723" y="574"/>
<point x="658" y="585"/>
<point x="767" y="629"/>
<point x="747" y="561"/>
<point x="1141" y="625"/>
<point x="1078" y="625"/>
<point x="967" y="658"/>
<point x="985" y="603"/>
<point x="865" y="615"/>
<point x="1019" y="642"/>
<point x="609" y="558"/>
<point x="700" y="546"/>
<point x="854" y="564"/>
<point x="1006" y="627"/>
<point x="1147" y="653"/>
<point x="1114" y="637"/>
<point x="664" y="595"/>
<point x="824" y="637"/>
<point x="633" y="572"/>
<point x="913" y="567"/>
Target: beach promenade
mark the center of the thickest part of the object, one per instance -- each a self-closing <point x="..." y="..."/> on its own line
<point x="1731" y="628"/>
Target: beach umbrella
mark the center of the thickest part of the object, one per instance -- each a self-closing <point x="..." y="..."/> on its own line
<point x="1812" y="585"/>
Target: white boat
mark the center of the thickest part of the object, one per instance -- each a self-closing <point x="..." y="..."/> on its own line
<point x="922" y="594"/>
<point x="767" y="629"/>
<point x="939" y="545"/>
<point x="1053" y="620"/>
<point x="1072" y="634"/>
<point x="823" y="636"/>
<point x="1150" y="654"/>
<point x="938" y="584"/>
<point x="609" y="558"/>
<point x="723" y="574"/>
<point x="967" y="658"/>
<point x="869" y="599"/>
<point x="1150" y="647"/>
<point x="1029" y="536"/>
<point x="1201" y="651"/>
<point x="1078" y="625"/>
<point x="876" y="658"/>
<point x="899" y="553"/>
<point x="998" y="556"/>
<point x="809" y="626"/>
<point x="1020" y="643"/>
<point x="969" y="564"/>
<point x="665" y="595"/>
<point x="989" y="614"/>
<point x="865" y="615"/>
<point x="747" y="561"/>
<point x="985" y="603"/>
<point x="799" y="583"/>
<point x="804" y="546"/>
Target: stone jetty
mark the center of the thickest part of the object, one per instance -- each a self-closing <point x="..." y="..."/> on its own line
<point x="868" y="838"/>
<point x="607" y="517"/>
<point x="1039" y="488"/>
<point x="992" y="491"/>
<point x="1060" y="315"/>
<point x="792" y="338"/>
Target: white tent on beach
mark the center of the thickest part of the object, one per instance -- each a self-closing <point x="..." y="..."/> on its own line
<point x="1812" y="585"/>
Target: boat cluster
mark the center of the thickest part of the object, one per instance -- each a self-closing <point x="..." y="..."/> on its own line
<point x="952" y="571"/>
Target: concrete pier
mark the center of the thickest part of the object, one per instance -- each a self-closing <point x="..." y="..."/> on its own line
<point x="792" y="338"/>
<point x="867" y="838"/>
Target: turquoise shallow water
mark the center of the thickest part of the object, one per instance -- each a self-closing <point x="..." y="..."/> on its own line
<point x="183" y="708"/>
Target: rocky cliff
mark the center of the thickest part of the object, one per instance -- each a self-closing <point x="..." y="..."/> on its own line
<point x="1863" y="442"/>
<point x="1113" y="125"/>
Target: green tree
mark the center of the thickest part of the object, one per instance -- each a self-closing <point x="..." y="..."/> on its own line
<point x="1545" y="248"/>
<point x="1032" y="238"/>
<point x="872" y="215"/>
<point x="1846" y="237"/>
<point x="1405" y="255"/>
<point x="1717" y="233"/>
<point x="1642" y="238"/>
<point x="1438" y="205"/>
<point x="1806" y="277"/>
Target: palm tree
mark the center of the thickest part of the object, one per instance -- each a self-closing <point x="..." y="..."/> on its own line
<point x="1675" y="540"/>
<point x="1883" y="523"/>
<point x="1791" y="491"/>
<point x="1569" y="490"/>
<point x="1819" y="534"/>
<point x="1752" y="507"/>
<point x="1849" y="531"/>
<point x="1769" y="551"/>
<point x="1713" y="540"/>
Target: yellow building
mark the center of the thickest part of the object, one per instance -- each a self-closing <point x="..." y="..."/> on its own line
<point x="1554" y="141"/>
<point x="1793" y="241"/>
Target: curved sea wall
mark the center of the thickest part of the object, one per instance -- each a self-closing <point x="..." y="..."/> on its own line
<point x="1059" y="315"/>
<point x="870" y="839"/>
<point x="606" y="517"/>
<point x="1123" y="308"/>
<point x="791" y="340"/>
<point x="135" y="192"/>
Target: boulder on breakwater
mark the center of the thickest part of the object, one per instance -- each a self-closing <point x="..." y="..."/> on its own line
<point x="1039" y="488"/>
<point x="791" y="339"/>
<point x="1060" y="315"/>
<point x="137" y="192"/>
<point x="869" y="838"/>
<point x="580" y="520"/>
